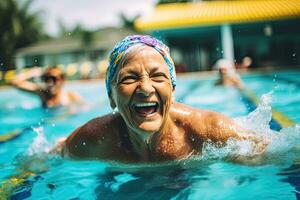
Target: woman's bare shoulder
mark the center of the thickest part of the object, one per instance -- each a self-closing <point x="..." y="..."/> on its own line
<point x="187" y="113"/>
<point x="98" y="126"/>
<point x="97" y="132"/>
<point x="206" y="124"/>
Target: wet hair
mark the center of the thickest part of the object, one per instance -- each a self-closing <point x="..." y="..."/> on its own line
<point x="54" y="72"/>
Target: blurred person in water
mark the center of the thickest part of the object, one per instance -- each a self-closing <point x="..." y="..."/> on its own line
<point x="50" y="90"/>
<point x="245" y="63"/>
<point x="227" y="74"/>
<point x="147" y="124"/>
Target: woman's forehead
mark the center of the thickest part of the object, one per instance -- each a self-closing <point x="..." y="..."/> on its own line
<point x="54" y="72"/>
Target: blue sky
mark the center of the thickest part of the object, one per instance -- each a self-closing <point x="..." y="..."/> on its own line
<point x="91" y="14"/>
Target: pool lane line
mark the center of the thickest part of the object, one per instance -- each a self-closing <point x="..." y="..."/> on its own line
<point x="8" y="186"/>
<point x="278" y="121"/>
<point x="11" y="135"/>
<point x="278" y="115"/>
<point x="14" y="134"/>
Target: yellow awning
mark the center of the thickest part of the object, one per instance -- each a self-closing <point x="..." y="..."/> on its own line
<point x="183" y="15"/>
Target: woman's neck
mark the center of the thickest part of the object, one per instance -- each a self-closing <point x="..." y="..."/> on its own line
<point x="143" y="144"/>
<point x="54" y="99"/>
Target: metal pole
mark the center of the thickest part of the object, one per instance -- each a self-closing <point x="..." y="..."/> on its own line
<point x="227" y="42"/>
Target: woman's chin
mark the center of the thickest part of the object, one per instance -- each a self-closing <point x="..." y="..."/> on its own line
<point x="150" y="127"/>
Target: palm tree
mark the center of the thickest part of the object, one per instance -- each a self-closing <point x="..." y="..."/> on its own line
<point x="128" y="22"/>
<point x="18" y="28"/>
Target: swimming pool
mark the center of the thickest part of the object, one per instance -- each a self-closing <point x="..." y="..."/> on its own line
<point x="28" y="173"/>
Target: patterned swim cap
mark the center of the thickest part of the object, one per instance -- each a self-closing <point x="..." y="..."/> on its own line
<point x="120" y="48"/>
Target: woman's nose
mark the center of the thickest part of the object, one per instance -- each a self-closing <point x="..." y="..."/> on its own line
<point x="145" y="87"/>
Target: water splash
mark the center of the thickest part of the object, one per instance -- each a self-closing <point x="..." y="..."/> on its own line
<point x="259" y="119"/>
<point x="40" y="143"/>
<point x="268" y="145"/>
<point x="264" y="144"/>
<point x="37" y="158"/>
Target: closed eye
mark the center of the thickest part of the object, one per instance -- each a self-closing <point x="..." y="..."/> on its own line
<point x="159" y="77"/>
<point x="128" y="79"/>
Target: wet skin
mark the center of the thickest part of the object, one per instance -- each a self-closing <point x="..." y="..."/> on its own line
<point x="229" y="79"/>
<point x="149" y="125"/>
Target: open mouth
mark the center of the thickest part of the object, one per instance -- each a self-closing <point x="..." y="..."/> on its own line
<point x="145" y="109"/>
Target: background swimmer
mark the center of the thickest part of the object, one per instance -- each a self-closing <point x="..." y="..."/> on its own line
<point x="51" y="90"/>
<point x="227" y="74"/>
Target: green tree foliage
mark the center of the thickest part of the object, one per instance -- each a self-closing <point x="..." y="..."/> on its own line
<point x="86" y="36"/>
<point x="127" y="22"/>
<point x="18" y="28"/>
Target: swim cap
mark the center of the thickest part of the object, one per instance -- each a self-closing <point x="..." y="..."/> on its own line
<point x="120" y="48"/>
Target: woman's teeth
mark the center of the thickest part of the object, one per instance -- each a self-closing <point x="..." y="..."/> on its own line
<point x="145" y="104"/>
<point x="146" y="108"/>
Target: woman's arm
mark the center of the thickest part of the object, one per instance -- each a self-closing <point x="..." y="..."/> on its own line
<point x="22" y="80"/>
<point x="218" y="128"/>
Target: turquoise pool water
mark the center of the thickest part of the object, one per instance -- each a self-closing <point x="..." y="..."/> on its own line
<point x="211" y="176"/>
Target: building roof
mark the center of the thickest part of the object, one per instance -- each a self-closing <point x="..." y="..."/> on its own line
<point x="105" y="39"/>
<point x="184" y="15"/>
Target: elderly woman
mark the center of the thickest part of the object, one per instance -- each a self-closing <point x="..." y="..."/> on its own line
<point x="147" y="124"/>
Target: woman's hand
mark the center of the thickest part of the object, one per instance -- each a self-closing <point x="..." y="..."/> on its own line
<point x="21" y="81"/>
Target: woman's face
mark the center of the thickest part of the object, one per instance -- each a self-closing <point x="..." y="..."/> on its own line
<point x="53" y="82"/>
<point x="142" y="90"/>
